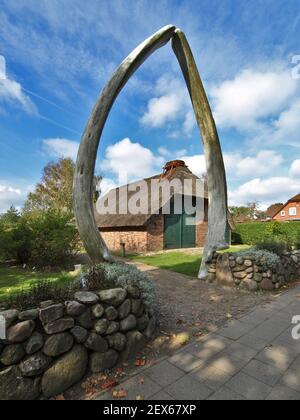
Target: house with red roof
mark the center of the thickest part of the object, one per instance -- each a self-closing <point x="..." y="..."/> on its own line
<point x="289" y="211"/>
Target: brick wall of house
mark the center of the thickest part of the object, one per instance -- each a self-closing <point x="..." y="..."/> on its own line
<point x="155" y="233"/>
<point x="135" y="239"/>
<point x="287" y="216"/>
<point x="201" y="232"/>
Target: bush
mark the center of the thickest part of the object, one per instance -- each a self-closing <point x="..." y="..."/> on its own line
<point x="255" y="233"/>
<point x="120" y="275"/>
<point x="39" y="238"/>
<point x="278" y="248"/>
<point x="266" y="258"/>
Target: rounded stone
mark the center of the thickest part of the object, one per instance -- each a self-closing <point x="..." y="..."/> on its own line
<point x="87" y="298"/>
<point x="113" y="327"/>
<point x="97" y="311"/>
<point x="51" y="313"/>
<point x="79" y="333"/>
<point x="117" y="341"/>
<point x="150" y="330"/>
<point x="136" y="305"/>
<point x="111" y="313"/>
<point x="11" y="355"/>
<point x="20" y="332"/>
<point x="58" y="344"/>
<point x="10" y="316"/>
<point x="135" y="342"/>
<point x="267" y="284"/>
<point x="14" y="387"/>
<point x="133" y="291"/>
<point x="96" y="343"/>
<point x="30" y="315"/>
<point x="142" y="322"/>
<point x="65" y="372"/>
<point x="128" y="323"/>
<point x="85" y="320"/>
<point x="124" y="309"/>
<point x="101" y="362"/>
<point x="113" y="297"/>
<point x="35" y="365"/>
<point x="58" y="326"/>
<point x="34" y="343"/>
<point x="101" y="326"/>
<point x="258" y="277"/>
<point x="75" y="308"/>
<point x="240" y="260"/>
<point x="248" y="263"/>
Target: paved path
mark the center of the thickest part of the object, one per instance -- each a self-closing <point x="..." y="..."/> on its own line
<point x="254" y="358"/>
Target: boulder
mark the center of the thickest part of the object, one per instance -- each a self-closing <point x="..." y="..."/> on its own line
<point x="113" y="297"/>
<point x="224" y="274"/>
<point x="96" y="343"/>
<point x="111" y="313"/>
<point x="65" y="372"/>
<point x="103" y="361"/>
<point x="124" y="309"/>
<point x="128" y="323"/>
<point x="11" y="355"/>
<point x="267" y="284"/>
<point x="87" y="298"/>
<point x="240" y="275"/>
<point x="85" y="320"/>
<point x="248" y="263"/>
<point x="133" y="290"/>
<point x="15" y="387"/>
<point x="75" y="308"/>
<point x="34" y="343"/>
<point x="101" y="326"/>
<point x="136" y="305"/>
<point x="58" y="344"/>
<point x="79" y="333"/>
<point x="20" y="332"/>
<point x="113" y="327"/>
<point x="239" y="260"/>
<point x="150" y="330"/>
<point x="134" y="344"/>
<point x="32" y="314"/>
<point x="58" y="326"/>
<point x="117" y="341"/>
<point x="46" y="303"/>
<point x="51" y="313"/>
<point x="97" y="311"/>
<point x="142" y="322"/>
<point x="10" y="316"/>
<point x="35" y="365"/>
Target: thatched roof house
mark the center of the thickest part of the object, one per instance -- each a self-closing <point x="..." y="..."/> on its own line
<point x="146" y="227"/>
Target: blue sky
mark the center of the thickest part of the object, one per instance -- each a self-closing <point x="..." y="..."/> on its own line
<point x="55" y="57"/>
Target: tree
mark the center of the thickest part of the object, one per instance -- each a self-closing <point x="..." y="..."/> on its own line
<point x="55" y="191"/>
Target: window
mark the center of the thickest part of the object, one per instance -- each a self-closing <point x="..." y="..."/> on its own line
<point x="282" y="213"/>
<point x="293" y="211"/>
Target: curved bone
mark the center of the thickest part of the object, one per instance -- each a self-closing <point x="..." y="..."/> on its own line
<point x="217" y="186"/>
<point x="86" y="160"/>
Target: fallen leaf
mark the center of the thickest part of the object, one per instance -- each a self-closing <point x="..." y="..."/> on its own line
<point x="142" y="381"/>
<point x="139" y="398"/>
<point x="140" y="362"/>
<point x="119" y="393"/>
<point x="110" y="383"/>
<point x="59" y="398"/>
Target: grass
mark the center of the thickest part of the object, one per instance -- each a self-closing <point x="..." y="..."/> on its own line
<point x="14" y="280"/>
<point x="178" y="261"/>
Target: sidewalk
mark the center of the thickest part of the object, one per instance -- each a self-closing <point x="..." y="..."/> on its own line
<point x="254" y="358"/>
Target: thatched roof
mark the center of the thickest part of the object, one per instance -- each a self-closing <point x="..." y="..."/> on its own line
<point x="177" y="172"/>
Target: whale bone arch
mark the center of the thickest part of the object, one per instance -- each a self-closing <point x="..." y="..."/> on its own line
<point x="87" y="154"/>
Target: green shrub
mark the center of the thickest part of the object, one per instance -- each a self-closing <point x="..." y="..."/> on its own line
<point x="276" y="247"/>
<point x="266" y="258"/>
<point x="255" y="233"/>
<point x="121" y="274"/>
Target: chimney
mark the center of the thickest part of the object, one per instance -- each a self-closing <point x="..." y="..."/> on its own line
<point x="171" y="166"/>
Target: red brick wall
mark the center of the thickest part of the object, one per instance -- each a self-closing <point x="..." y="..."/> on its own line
<point x="135" y="239"/>
<point x="280" y="218"/>
<point x="155" y="233"/>
<point x="201" y="232"/>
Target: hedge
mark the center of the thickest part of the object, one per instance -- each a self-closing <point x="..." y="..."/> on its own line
<point x="254" y="233"/>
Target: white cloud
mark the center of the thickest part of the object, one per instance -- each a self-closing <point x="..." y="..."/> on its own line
<point x="130" y="161"/>
<point x="171" y="103"/>
<point x="263" y="163"/>
<point x="266" y="191"/>
<point x="11" y="92"/>
<point x="10" y="196"/>
<point x="287" y="127"/>
<point x="61" y="148"/>
<point x="106" y="185"/>
<point x="171" y="154"/>
<point x="250" y="97"/>
<point x="295" y="169"/>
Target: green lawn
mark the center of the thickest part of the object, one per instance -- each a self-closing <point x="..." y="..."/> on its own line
<point x="14" y="280"/>
<point x="180" y="262"/>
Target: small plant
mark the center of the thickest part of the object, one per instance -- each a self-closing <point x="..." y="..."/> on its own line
<point x="276" y="247"/>
<point x="269" y="259"/>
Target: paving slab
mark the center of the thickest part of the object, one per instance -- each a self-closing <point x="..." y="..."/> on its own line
<point x="262" y="372"/>
<point x="249" y="387"/>
<point x="283" y="393"/>
<point x="279" y="356"/>
<point x="164" y="373"/>
<point x="185" y="361"/>
<point x="236" y="330"/>
<point x="226" y="394"/>
<point x="188" y="388"/>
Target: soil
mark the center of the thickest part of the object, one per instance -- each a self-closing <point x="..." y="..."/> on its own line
<point x="187" y="309"/>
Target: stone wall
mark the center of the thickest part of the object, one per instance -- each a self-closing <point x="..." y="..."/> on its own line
<point x="50" y="348"/>
<point x="253" y="273"/>
<point x="135" y="240"/>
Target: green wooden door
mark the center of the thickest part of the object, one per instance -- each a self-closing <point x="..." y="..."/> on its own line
<point x="188" y="232"/>
<point x="172" y="231"/>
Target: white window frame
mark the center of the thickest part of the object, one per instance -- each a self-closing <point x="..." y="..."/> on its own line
<point x="293" y="211"/>
<point x="282" y="213"/>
